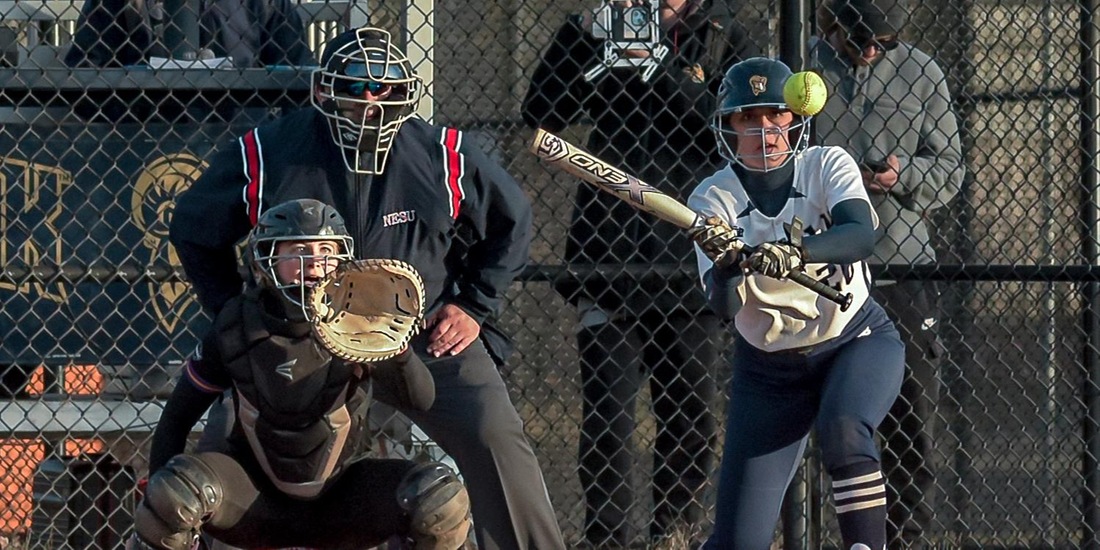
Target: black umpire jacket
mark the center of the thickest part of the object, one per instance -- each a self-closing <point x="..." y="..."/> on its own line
<point x="441" y="205"/>
<point x="657" y="130"/>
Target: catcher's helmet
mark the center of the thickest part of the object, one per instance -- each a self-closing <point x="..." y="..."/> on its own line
<point x="756" y="82"/>
<point x="296" y="220"/>
<point x="367" y="88"/>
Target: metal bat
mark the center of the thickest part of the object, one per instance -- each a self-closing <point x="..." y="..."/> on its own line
<point x="643" y="196"/>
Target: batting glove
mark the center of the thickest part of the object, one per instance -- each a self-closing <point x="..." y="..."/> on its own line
<point x="720" y="242"/>
<point x="776" y="260"/>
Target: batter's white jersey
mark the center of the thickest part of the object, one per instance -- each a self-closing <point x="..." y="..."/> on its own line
<point x="779" y="315"/>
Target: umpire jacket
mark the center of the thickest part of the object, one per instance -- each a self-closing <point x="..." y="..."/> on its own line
<point x="657" y="130"/>
<point x="441" y="205"/>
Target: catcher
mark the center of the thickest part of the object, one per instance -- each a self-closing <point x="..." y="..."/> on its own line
<point x="299" y="349"/>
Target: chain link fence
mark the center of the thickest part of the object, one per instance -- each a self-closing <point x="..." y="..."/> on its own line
<point x="96" y="319"/>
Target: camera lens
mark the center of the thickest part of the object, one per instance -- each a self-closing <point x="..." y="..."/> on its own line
<point x="636" y="23"/>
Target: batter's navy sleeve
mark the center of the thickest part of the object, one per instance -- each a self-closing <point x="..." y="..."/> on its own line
<point x="851" y="237"/>
<point x="722" y="295"/>
<point x="499" y="214"/>
<point x="208" y="220"/>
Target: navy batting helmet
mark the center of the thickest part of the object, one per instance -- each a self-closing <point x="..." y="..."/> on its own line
<point x="756" y="82"/>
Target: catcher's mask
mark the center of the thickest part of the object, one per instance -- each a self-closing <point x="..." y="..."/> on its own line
<point x="367" y="88"/>
<point x="302" y="220"/>
<point x="756" y="82"/>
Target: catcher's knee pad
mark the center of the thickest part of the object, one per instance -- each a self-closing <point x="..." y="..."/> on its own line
<point x="180" y="497"/>
<point x="438" y="507"/>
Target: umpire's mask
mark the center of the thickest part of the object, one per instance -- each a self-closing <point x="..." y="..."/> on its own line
<point x="367" y="89"/>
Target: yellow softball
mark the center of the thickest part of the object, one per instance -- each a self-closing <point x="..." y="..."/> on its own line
<point x="805" y="93"/>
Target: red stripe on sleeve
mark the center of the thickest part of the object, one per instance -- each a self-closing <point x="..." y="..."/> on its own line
<point x="451" y="140"/>
<point x="254" y="172"/>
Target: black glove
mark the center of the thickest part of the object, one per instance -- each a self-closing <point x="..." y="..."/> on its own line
<point x="719" y="241"/>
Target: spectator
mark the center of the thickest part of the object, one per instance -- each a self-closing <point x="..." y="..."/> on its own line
<point x="119" y="33"/>
<point x="255" y="33"/>
<point x="656" y="328"/>
<point x="799" y="360"/>
<point x="889" y="106"/>
<point x="291" y="474"/>
<point x="418" y="193"/>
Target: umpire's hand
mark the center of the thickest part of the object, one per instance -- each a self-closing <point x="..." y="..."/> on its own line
<point x="453" y="330"/>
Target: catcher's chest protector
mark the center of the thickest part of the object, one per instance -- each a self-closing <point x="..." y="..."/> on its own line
<point x="301" y="411"/>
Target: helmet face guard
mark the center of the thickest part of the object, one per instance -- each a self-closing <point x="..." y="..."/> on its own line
<point x="367" y="89"/>
<point x="757" y="82"/>
<point x="303" y="220"/>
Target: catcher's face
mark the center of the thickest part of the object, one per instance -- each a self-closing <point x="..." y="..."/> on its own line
<point x="306" y="262"/>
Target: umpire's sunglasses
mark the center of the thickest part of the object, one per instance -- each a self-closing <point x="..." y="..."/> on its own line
<point x="861" y="42"/>
<point x="357" y="88"/>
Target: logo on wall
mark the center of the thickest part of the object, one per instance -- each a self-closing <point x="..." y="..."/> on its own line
<point x="30" y="196"/>
<point x="151" y="206"/>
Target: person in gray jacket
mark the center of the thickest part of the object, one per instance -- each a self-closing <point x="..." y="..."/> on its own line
<point x="890" y="107"/>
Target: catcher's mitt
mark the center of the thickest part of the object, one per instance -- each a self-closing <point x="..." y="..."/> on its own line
<point x="367" y="310"/>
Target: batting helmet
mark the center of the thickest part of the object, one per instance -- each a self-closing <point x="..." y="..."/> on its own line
<point x="756" y="82"/>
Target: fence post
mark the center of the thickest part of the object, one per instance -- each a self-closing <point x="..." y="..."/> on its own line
<point x="419" y="25"/>
<point x="794" y="16"/>
<point x="1090" y="126"/>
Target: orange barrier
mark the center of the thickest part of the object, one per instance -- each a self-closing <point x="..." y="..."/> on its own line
<point x="20" y="457"/>
<point x="18" y="460"/>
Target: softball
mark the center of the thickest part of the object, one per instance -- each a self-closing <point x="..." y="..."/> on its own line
<point x="805" y="93"/>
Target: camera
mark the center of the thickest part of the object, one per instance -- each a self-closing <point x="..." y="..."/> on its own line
<point x="631" y="35"/>
<point x="618" y="23"/>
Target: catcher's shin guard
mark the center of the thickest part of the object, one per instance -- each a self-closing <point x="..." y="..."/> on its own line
<point x="438" y="507"/>
<point x="180" y="497"/>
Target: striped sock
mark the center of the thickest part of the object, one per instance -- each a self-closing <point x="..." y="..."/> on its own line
<point x="859" y="493"/>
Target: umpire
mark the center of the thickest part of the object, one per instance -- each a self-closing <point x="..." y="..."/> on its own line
<point x="656" y="326"/>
